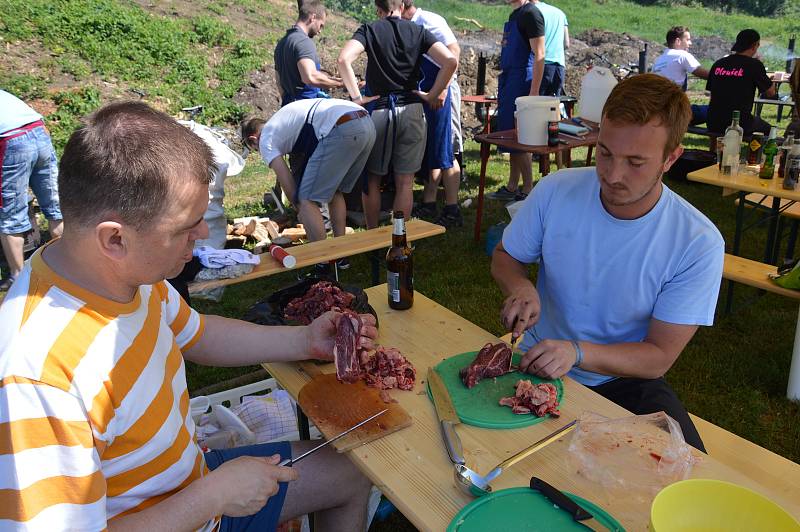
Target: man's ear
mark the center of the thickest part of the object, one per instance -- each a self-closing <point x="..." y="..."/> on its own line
<point x="672" y="157"/>
<point x="111" y="241"/>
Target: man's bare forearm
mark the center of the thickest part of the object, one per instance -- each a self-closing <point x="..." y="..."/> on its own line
<point x="227" y="342"/>
<point x="508" y="272"/>
<point x="186" y="510"/>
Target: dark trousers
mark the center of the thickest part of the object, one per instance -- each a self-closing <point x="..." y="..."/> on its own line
<point x="647" y="396"/>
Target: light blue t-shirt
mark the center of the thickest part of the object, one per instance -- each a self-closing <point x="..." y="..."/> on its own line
<point x="554" y="23"/>
<point x="602" y="279"/>
<point x="14" y="113"/>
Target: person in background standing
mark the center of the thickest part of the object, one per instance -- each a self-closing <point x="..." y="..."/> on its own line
<point x="676" y="63"/>
<point x="733" y="81"/>
<point x="296" y="60"/>
<point x="444" y="126"/>
<point x="28" y="159"/>
<point x="556" y="41"/>
<point x="394" y="49"/>
<point x="521" y="71"/>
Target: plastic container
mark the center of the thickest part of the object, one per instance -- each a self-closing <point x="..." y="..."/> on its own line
<point x="532" y="114"/>
<point x="703" y="504"/>
<point x="595" y="88"/>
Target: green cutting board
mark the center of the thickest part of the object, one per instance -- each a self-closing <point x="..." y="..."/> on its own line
<point x="523" y="510"/>
<point x="480" y="405"/>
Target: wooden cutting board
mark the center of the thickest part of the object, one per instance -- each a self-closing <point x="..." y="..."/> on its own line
<point x="334" y="407"/>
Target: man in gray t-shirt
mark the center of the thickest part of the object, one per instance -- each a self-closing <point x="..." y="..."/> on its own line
<point x="296" y="59"/>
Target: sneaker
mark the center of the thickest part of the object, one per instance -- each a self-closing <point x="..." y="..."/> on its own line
<point x="343" y="263"/>
<point x="425" y="211"/>
<point x="5" y="285"/>
<point x="520" y="196"/>
<point x="450" y="219"/>
<point x="503" y="194"/>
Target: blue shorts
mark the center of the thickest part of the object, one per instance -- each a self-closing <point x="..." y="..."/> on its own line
<point x="267" y="517"/>
<point x="29" y="159"/>
<point x="552" y="80"/>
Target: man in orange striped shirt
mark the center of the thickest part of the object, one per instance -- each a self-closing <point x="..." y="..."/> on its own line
<point x="95" y="430"/>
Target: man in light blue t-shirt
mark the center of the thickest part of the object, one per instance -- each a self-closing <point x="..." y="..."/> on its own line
<point x="556" y="40"/>
<point x="627" y="268"/>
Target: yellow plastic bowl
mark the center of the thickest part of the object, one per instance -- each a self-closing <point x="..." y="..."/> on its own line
<point x="711" y="505"/>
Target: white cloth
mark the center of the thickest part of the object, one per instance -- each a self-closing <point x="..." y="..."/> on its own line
<point x="281" y="131"/>
<point x="14" y="113"/>
<point x="437" y="25"/>
<point x="675" y="65"/>
<point x="217" y="258"/>
<point x="229" y="163"/>
<point x="601" y="279"/>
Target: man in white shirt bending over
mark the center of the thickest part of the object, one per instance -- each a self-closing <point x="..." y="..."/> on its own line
<point x="676" y="63"/>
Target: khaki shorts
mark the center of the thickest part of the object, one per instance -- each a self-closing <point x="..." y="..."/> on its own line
<point x="399" y="142"/>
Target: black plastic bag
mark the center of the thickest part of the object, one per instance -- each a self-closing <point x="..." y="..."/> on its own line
<point x="270" y="311"/>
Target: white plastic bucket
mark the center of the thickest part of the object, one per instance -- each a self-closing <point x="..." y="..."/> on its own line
<point x="595" y="88"/>
<point x="532" y="114"/>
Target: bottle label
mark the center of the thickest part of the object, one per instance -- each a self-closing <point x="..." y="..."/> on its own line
<point x="393" y="281"/>
<point x="755" y="145"/>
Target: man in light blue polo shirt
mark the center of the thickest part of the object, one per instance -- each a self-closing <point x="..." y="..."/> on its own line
<point x="627" y="268"/>
<point x="556" y="40"/>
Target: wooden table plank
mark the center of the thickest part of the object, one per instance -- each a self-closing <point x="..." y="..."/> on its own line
<point x="329" y="249"/>
<point x="411" y="466"/>
<point x="754" y="273"/>
<point x="743" y="181"/>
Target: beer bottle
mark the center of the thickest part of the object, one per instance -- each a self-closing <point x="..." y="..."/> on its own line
<point x="400" y="267"/>
<point x="754" y="148"/>
<point x="770" y="151"/>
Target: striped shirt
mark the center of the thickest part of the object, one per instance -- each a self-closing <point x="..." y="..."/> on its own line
<point x="94" y="409"/>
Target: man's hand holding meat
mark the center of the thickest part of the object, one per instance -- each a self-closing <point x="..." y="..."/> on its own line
<point x="322" y="332"/>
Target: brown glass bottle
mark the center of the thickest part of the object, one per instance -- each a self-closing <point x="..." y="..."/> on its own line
<point x="400" y="267"/>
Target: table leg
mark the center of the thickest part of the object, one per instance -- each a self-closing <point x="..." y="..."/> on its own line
<point x="792" y="240"/>
<point x="567" y="158"/>
<point x="793" y="390"/>
<point x="375" y="262"/>
<point x="771" y="249"/>
<point x="302" y="425"/>
<point x="589" y="155"/>
<point x="544" y="164"/>
<point x="485" y="147"/>
<point x="737" y="240"/>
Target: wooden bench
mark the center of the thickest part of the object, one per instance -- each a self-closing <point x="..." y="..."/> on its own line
<point x="327" y="250"/>
<point x="755" y="274"/>
<point x="759" y="464"/>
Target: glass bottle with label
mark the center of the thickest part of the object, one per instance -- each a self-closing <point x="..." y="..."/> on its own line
<point x="732" y="141"/>
<point x="400" y="267"/>
<point x="782" y="157"/>
<point x="770" y="151"/>
<point x="755" y="148"/>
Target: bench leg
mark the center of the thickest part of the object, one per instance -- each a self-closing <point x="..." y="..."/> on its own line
<point x="792" y="240"/>
<point x="793" y="390"/>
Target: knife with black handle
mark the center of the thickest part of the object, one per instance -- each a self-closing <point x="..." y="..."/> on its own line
<point x="577" y="512"/>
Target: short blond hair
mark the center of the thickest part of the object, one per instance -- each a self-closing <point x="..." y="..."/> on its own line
<point x="641" y="99"/>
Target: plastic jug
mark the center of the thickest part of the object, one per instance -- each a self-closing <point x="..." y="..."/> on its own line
<point x="532" y="114"/>
<point x="595" y="88"/>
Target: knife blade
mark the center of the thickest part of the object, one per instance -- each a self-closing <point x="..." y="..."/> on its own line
<point x="290" y="461"/>
<point x="578" y="513"/>
<point x="448" y="418"/>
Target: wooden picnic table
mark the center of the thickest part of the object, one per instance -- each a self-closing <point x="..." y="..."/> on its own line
<point x="742" y="184"/>
<point x="411" y="466"/>
<point x="328" y="250"/>
<point x="508" y="139"/>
